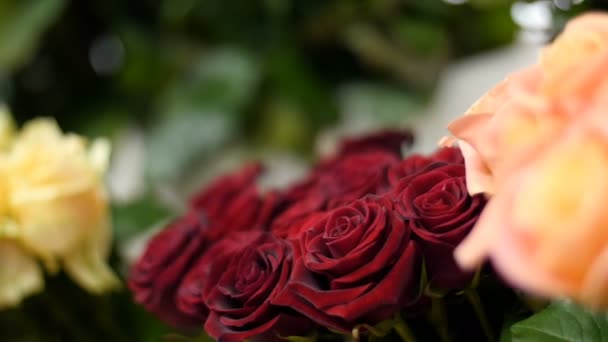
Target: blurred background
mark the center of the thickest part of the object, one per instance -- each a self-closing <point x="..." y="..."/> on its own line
<point x="189" y="88"/>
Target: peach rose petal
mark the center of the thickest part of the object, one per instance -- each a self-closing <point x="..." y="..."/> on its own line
<point x="594" y="292"/>
<point x="513" y="251"/>
<point x="515" y="264"/>
<point x="538" y="143"/>
<point x="475" y="151"/>
<point x="478" y="176"/>
<point x="509" y="250"/>
<point x="477" y="245"/>
<point x="524" y="81"/>
<point x="584" y="36"/>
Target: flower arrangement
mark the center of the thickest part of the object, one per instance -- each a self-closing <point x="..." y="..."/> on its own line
<point x="498" y="235"/>
<point x="377" y="244"/>
<point x="353" y="245"/>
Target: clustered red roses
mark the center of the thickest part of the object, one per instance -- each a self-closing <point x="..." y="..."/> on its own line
<point x="343" y="247"/>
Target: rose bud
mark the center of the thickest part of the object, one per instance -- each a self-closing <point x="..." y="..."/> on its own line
<point x="392" y="141"/>
<point x="417" y="163"/>
<point x="155" y="277"/>
<point x="240" y="302"/>
<point x="224" y="189"/>
<point x="435" y="205"/>
<point x="235" y="203"/>
<point x="332" y="183"/>
<point x="356" y="264"/>
<point x="300" y="201"/>
<point x="407" y="167"/>
<point x="355" y="176"/>
<point x="448" y="155"/>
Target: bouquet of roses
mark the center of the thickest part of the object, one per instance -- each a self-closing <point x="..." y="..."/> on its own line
<point x="368" y="245"/>
<point x="353" y="245"/>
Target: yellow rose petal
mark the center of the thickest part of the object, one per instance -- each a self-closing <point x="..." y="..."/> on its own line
<point x="20" y="275"/>
<point x="87" y="266"/>
<point x="7" y="127"/>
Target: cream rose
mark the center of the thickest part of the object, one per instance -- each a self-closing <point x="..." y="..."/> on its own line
<point x="53" y="208"/>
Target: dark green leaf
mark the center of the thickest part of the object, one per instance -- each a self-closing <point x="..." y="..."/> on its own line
<point x="22" y="23"/>
<point x="380" y="104"/>
<point x="224" y="79"/>
<point x="182" y="140"/>
<point x="561" y="322"/>
<point x="136" y="217"/>
<point x="312" y="338"/>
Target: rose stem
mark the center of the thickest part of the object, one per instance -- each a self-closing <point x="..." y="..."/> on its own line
<point x="440" y="319"/>
<point x="475" y="302"/>
<point x="533" y="303"/>
<point x="403" y="330"/>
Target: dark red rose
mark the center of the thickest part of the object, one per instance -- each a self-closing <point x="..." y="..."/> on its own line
<point x="356" y="176"/>
<point x="355" y="265"/>
<point x="392" y="141"/>
<point x="448" y="155"/>
<point x="408" y="167"/>
<point x="154" y="278"/>
<point x="289" y="223"/>
<point x="213" y="197"/>
<point x="235" y="203"/>
<point x="300" y="201"/>
<point x="331" y="184"/>
<point x="189" y="297"/>
<point x="417" y="163"/>
<point x="240" y="302"/>
<point x="438" y="209"/>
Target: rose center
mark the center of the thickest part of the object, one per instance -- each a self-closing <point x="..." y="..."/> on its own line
<point x="342" y="225"/>
<point x="248" y="275"/>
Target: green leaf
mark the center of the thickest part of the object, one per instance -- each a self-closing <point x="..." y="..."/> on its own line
<point x="224" y="79"/>
<point x="561" y="322"/>
<point x="285" y="125"/>
<point x="181" y="338"/>
<point x="312" y="338"/>
<point x="138" y="216"/>
<point x="293" y="77"/>
<point x="422" y="37"/>
<point x="22" y="24"/>
<point x="375" y="103"/>
<point x="376" y="332"/>
<point x="180" y="141"/>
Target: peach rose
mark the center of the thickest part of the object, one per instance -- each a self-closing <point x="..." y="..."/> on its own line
<point x="496" y="123"/>
<point x="538" y="145"/>
<point x="530" y="107"/>
<point x="546" y="230"/>
<point x="584" y="36"/>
